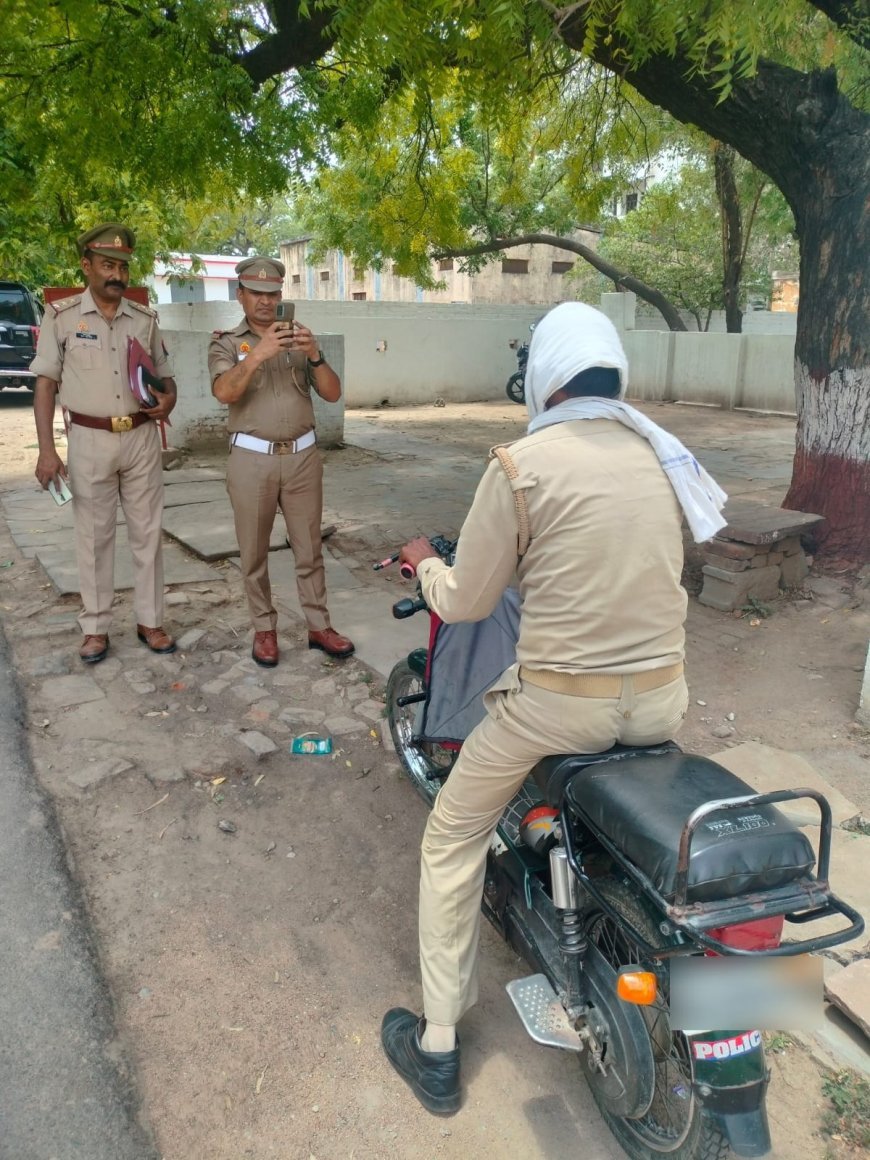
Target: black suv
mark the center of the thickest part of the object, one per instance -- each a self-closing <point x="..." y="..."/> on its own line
<point x="20" y="317"/>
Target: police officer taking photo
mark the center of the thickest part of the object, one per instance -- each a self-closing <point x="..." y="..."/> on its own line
<point x="265" y="370"/>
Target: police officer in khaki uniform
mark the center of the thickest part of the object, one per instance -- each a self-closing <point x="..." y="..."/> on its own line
<point x="586" y="513"/>
<point x="113" y="443"/>
<point x="265" y="371"/>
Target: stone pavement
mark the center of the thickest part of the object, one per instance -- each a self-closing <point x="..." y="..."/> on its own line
<point x="385" y="486"/>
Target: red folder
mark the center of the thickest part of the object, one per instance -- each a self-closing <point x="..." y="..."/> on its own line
<point x="142" y="380"/>
<point x="141" y="373"/>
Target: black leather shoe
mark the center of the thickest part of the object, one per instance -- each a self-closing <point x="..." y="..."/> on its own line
<point x="433" y="1076"/>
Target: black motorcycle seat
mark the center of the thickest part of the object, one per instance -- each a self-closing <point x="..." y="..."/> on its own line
<point x="642" y="800"/>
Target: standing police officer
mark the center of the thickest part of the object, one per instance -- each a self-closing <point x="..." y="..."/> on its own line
<point x="265" y="371"/>
<point x="113" y="443"/>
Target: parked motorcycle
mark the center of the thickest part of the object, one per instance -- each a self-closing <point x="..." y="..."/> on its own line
<point x="609" y="874"/>
<point x="516" y="384"/>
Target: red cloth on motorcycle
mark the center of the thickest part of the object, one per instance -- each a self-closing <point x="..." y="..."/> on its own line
<point x="642" y="804"/>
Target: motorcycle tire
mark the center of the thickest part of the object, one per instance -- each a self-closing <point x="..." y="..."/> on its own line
<point x="673" y="1125"/>
<point x="425" y="763"/>
<point x="516" y="387"/>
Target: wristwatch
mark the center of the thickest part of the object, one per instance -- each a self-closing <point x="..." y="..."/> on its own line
<point x="317" y="362"/>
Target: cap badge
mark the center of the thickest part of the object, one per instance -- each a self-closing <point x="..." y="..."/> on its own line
<point x="261" y="273"/>
<point x="118" y="241"/>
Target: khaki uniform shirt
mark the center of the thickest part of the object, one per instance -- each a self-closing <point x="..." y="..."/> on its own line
<point x="277" y="404"/>
<point x="86" y="353"/>
<point x="600" y="582"/>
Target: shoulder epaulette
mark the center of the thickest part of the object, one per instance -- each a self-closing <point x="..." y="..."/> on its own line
<point x="494" y="451"/>
<point x="65" y="303"/>
<point x="219" y="333"/>
<point x="143" y="309"/>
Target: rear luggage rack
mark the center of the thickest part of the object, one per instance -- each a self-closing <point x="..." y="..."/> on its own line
<point x="806" y="899"/>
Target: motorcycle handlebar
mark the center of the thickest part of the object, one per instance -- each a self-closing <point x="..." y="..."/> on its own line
<point x="444" y="547"/>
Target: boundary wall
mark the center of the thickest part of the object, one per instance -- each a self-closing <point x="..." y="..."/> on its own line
<point x="406" y="353"/>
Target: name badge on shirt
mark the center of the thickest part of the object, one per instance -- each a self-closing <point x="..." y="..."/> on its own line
<point x="85" y="338"/>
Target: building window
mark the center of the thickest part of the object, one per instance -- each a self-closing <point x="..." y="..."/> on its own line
<point x="359" y="296"/>
<point x="324" y="275"/>
<point x="232" y="287"/>
<point x="359" y="273"/>
<point x="514" y="265"/>
<point x="192" y="291"/>
<point x="562" y="267"/>
<point x="631" y="200"/>
<point x="445" y="264"/>
<point x="297" y="278"/>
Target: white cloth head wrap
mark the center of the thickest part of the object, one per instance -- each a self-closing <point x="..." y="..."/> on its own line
<point x="574" y="337"/>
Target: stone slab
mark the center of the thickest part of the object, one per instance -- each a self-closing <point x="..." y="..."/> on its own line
<point x="192" y="475"/>
<point x="282" y="573"/>
<point x="728" y="590"/>
<point x="62" y="692"/>
<point x="863" y="714"/>
<point x="258" y="743"/>
<point x="849" y="990"/>
<point x="767" y="769"/>
<point x="207" y="529"/>
<point x="752" y="523"/>
<point x="59" y="562"/>
<point x="730" y="549"/>
<point x="838" y="1043"/>
<point x="365" y="615"/>
<point x="91" y="773"/>
<point x="179" y="492"/>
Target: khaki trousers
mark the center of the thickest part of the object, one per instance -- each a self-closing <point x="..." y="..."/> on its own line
<point x="258" y="485"/>
<point x="524" y="724"/>
<point x="106" y="467"/>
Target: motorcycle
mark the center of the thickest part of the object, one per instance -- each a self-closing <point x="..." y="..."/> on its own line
<point x="516" y="384"/>
<point x="610" y="873"/>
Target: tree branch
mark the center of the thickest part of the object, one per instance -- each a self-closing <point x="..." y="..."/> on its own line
<point x="618" y="277"/>
<point x="787" y="123"/>
<point x="297" y="42"/>
<point x="852" y="17"/>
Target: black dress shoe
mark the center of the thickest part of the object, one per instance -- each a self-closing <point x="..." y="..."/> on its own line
<point x="432" y="1075"/>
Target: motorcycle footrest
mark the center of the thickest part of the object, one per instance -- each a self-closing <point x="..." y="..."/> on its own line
<point x="542" y="1015"/>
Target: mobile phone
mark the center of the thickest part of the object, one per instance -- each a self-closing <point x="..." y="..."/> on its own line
<point x="284" y="314"/>
<point x="59" y="491"/>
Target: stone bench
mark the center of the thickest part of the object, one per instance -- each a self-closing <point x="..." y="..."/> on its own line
<point x="758" y="553"/>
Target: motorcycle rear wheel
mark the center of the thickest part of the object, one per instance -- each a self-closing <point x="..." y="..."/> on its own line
<point x="516" y="387"/>
<point x="425" y="763"/>
<point x="673" y="1126"/>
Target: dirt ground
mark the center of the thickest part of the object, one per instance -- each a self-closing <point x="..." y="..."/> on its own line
<point x="251" y="963"/>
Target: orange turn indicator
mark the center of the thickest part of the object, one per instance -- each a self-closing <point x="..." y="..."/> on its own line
<point x="637" y="987"/>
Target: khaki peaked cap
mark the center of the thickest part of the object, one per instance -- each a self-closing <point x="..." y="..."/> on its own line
<point x="111" y="239"/>
<point x="265" y="274"/>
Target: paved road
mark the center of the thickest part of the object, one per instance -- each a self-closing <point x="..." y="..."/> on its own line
<point x="65" y="1088"/>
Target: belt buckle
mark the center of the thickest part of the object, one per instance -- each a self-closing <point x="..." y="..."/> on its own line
<point x="284" y="447"/>
<point x="122" y="423"/>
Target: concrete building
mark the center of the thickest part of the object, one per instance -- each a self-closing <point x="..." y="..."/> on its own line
<point x="523" y="275"/>
<point x="786" y="291"/>
<point x="216" y="281"/>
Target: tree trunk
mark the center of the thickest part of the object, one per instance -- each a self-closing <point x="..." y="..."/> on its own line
<point x="831" y="474"/>
<point x="732" y="235"/>
<point x="801" y="131"/>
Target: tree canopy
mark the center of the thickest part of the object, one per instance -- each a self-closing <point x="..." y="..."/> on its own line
<point x="134" y="107"/>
